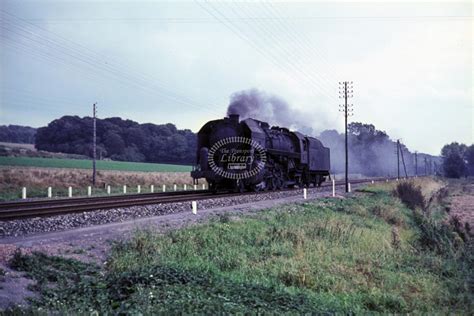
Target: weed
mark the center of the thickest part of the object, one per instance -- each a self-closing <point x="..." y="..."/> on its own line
<point x="410" y="195"/>
<point x="388" y="213"/>
<point x="360" y="255"/>
<point x="395" y="238"/>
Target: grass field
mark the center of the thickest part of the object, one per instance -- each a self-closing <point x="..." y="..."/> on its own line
<point x="364" y="254"/>
<point x="87" y="164"/>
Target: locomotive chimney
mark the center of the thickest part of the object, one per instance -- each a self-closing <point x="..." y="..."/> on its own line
<point x="234" y="118"/>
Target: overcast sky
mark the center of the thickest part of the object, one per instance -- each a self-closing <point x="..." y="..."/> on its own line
<point x="178" y="62"/>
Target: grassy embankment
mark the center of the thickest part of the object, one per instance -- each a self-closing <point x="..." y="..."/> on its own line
<point x="369" y="252"/>
<point x="37" y="174"/>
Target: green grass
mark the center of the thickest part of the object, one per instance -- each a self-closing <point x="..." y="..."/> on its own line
<point x="329" y="256"/>
<point x="87" y="164"/>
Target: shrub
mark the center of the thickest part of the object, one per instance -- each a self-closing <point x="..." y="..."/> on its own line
<point x="410" y="195"/>
<point x="389" y="214"/>
<point x="444" y="237"/>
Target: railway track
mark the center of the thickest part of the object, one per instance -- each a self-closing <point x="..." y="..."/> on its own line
<point x="38" y="208"/>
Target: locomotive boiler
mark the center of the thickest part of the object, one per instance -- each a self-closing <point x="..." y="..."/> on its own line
<point x="250" y="155"/>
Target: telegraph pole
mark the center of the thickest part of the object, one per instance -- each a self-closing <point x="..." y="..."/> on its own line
<point x="416" y="163"/>
<point x="345" y="91"/>
<point x="426" y="167"/>
<point x="403" y="160"/>
<point x="94" y="146"/>
<point x="398" y="159"/>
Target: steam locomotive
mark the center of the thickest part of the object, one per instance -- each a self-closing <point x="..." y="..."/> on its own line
<point x="250" y="155"/>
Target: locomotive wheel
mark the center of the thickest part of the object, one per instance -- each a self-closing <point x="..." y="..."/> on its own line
<point x="278" y="180"/>
<point x="213" y="187"/>
<point x="240" y="186"/>
<point x="271" y="184"/>
<point x="256" y="188"/>
<point x="321" y="180"/>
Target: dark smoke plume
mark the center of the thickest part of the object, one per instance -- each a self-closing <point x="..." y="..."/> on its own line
<point x="371" y="152"/>
<point x="259" y="105"/>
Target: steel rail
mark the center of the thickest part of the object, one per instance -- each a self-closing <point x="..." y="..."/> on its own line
<point x="39" y="208"/>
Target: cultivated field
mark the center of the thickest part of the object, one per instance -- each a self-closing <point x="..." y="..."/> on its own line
<point x="87" y="164"/>
<point x="367" y="253"/>
<point x="20" y="146"/>
<point x="37" y="180"/>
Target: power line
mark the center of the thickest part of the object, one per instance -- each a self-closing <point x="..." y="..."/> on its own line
<point x="303" y="43"/>
<point x="268" y="55"/>
<point x="290" y="56"/>
<point x="92" y="63"/>
<point x="257" y="18"/>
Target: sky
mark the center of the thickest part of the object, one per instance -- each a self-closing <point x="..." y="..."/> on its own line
<point x="411" y="63"/>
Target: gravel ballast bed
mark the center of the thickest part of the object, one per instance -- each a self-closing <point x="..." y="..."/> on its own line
<point x="99" y="217"/>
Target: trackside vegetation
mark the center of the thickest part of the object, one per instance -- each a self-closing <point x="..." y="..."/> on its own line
<point x="365" y="253"/>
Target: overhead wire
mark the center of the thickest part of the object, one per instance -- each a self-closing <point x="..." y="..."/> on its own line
<point x="301" y="40"/>
<point x="268" y="55"/>
<point x="74" y="52"/>
<point x="291" y="57"/>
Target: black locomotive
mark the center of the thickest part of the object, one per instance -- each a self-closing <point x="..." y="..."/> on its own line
<point x="251" y="155"/>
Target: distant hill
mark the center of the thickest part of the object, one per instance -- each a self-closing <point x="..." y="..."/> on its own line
<point x="17" y="134"/>
<point x="119" y="139"/>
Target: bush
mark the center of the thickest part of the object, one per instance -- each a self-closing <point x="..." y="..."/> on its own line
<point x="410" y="195"/>
<point x="446" y="238"/>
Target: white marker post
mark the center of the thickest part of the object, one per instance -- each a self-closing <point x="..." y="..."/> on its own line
<point x="372" y="181"/>
<point x="194" y="206"/>
<point x="108" y="189"/>
<point x="164" y="187"/>
<point x="185" y="187"/>
<point x="333" y="188"/>
<point x="152" y="188"/>
<point x="89" y="191"/>
<point x="139" y="188"/>
<point x="124" y="189"/>
<point x="23" y="193"/>
<point x="204" y="186"/>
<point x="305" y="193"/>
<point x="195" y="187"/>
<point x="50" y="192"/>
<point x="174" y="187"/>
<point x="70" y="192"/>
<point x="349" y="187"/>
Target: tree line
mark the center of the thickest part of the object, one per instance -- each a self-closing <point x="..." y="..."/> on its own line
<point x="17" y="134"/>
<point x="458" y="160"/>
<point x="118" y="139"/>
<point x="371" y="151"/>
